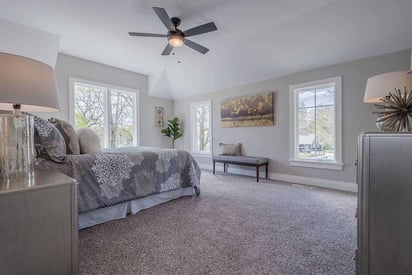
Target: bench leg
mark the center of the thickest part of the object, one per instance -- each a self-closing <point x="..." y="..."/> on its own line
<point x="267" y="170"/>
<point x="224" y="167"/>
<point x="214" y="164"/>
<point x="257" y="173"/>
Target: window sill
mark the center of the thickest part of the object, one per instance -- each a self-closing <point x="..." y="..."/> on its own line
<point x="317" y="164"/>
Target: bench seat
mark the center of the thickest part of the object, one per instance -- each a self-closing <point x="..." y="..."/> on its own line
<point x="242" y="160"/>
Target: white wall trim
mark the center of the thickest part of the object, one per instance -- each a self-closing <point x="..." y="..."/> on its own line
<point x="316" y="164"/>
<point x="325" y="183"/>
<point x="202" y="155"/>
<point x="193" y="126"/>
<point x="293" y="124"/>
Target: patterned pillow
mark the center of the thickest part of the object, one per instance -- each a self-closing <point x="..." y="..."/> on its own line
<point x="69" y="134"/>
<point x="48" y="141"/>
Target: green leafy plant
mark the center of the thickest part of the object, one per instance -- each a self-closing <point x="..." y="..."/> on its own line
<point x="172" y="130"/>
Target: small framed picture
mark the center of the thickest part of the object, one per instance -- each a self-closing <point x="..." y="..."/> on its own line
<point x="158" y="122"/>
<point x="159" y="112"/>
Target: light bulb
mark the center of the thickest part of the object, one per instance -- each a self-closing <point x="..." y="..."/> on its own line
<point x="176" y="41"/>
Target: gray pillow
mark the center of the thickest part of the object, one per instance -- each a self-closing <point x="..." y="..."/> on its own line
<point x="89" y="141"/>
<point x="48" y="141"/>
<point x="69" y="135"/>
<point x="230" y="149"/>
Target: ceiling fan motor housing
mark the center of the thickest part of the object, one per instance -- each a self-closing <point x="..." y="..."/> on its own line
<point x="175" y="34"/>
<point x="175" y="21"/>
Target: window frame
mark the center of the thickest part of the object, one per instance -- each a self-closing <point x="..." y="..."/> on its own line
<point x="107" y="87"/>
<point x="193" y="129"/>
<point x="337" y="164"/>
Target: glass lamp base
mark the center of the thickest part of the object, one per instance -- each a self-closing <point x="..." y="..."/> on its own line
<point x="16" y="146"/>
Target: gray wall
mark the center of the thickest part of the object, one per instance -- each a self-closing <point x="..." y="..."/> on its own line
<point x="273" y="141"/>
<point x="69" y="66"/>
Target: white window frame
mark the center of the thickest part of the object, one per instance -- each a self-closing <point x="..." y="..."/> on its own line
<point x="106" y="87"/>
<point x="193" y="130"/>
<point x="337" y="164"/>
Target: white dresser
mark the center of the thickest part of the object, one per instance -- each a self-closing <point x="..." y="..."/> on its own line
<point x="38" y="225"/>
<point x="384" y="204"/>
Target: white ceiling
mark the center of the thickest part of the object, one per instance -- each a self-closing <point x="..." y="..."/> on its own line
<point x="256" y="40"/>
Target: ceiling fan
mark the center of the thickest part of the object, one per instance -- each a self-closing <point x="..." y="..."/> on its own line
<point x="176" y="37"/>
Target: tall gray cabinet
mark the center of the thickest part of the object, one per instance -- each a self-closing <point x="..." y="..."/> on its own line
<point x="384" y="177"/>
<point x="38" y="225"/>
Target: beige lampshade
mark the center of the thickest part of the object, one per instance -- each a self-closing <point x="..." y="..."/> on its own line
<point x="381" y="85"/>
<point x="27" y="82"/>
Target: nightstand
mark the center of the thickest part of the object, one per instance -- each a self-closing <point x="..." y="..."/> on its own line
<point x="38" y="225"/>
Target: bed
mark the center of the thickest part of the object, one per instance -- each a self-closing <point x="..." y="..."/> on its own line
<point x="116" y="182"/>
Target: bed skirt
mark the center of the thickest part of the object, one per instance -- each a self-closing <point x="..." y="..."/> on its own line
<point x="120" y="210"/>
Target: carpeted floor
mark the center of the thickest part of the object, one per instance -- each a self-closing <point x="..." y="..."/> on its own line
<point x="236" y="226"/>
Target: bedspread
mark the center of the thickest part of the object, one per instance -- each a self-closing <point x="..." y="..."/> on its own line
<point x="119" y="175"/>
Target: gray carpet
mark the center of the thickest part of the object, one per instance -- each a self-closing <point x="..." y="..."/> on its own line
<point x="236" y="226"/>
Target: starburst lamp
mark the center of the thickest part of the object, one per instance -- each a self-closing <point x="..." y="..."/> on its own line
<point x="393" y="92"/>
<point x="25" y="85"/>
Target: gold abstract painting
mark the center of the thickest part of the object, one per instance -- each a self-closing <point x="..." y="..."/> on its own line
<point x="250" y="110"/>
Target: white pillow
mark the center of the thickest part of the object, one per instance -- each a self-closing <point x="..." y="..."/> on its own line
<point x="89" y="141"/>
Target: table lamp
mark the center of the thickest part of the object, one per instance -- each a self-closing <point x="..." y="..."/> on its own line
<point x="25" y="85"/>
<point x="393" y="92"/>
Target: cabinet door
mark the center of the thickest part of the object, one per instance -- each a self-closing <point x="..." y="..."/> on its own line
<point x="390" y="205"/>
<point x="36" y="231"/>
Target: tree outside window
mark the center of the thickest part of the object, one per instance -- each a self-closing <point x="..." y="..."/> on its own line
<point x="201" y="127"/>
<point x="110" y="112"/>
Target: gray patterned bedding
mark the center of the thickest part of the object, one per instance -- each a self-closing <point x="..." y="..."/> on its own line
<point x="120" y="175"/>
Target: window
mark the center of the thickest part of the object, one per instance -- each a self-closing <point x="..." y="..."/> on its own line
<point x="316" y="124"/>
<point x="110" y="111"/>
<point x="201" y="127"/>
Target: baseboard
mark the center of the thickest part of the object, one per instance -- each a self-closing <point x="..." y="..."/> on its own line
<point x="332" y="184"/>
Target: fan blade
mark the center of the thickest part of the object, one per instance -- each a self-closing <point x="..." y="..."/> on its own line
<point x="146" y="34"/>
<point x="196" y="46"/>
<point x="167" y="50"/>
<point x="208" y="27"/>
<point x="164" y="17"/>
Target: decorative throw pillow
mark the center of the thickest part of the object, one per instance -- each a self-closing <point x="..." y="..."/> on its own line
<point x="48" y="141"/>
<point x="69" y="135"/>
<point x="230" y="149"/>
<point x="89" y="141"/>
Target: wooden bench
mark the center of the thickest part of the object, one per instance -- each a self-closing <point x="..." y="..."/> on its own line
<point x="242" y="160"/>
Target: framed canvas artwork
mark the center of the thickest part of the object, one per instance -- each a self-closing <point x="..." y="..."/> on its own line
<point x="159" y="122"/>
<point x="159" y="112"/>
<point x="249" y="110"/>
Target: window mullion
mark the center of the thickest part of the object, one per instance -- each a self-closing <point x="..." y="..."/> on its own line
<point x="107" y="118"/>
<point x="316" y="125"/>
<point x="296" y="124"/>
<point x="135" y="121"/>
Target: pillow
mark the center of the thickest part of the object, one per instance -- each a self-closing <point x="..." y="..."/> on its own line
<point x="230" y="149"/>
<point x="69" y="135"/>
<point x="89" y="141"/>
<point x="48" y="141"/>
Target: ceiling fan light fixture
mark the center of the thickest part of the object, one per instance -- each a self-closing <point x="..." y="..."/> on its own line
<point x="176" y="37"/>
<point x="176" y="40"/>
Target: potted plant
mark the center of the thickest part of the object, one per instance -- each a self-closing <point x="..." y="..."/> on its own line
<point x="172" y="130"/>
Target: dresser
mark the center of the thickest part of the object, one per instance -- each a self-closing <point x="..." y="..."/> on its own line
<point x="384" y="177"/>
<point x="38" y="225"/>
